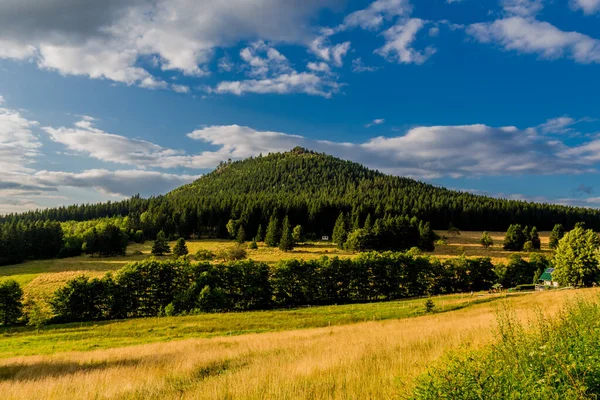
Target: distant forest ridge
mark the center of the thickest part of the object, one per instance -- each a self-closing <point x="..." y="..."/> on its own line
<point x="312" y="189"/>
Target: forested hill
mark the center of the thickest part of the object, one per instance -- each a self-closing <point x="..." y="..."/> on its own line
<point x="312" y="189"/>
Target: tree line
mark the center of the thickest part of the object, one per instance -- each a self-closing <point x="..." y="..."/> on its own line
<point x="178" y="286"/>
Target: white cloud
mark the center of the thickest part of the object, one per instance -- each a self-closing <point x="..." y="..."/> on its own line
<point x="534" y="37"/>
<point x="263" y="60"/>
<point x="19" y="146"/>
<point x="318" y="67"/>
<point x="122" y="182"/>
<point x="587" y="6"/>
<point x="372" y="17"/>
<point x="85" y="139"/>
<point x="559" y="125"/>
<point x="322" y="48"/>
<point x="377" y="121"/>
<point x="424" y="152"/>
<point x="359" y="66"/>
<point x="523" y="8"/>
<point x="111" y="39"/>
<point x="399" y="39"/>
<point x="180" y="88"/>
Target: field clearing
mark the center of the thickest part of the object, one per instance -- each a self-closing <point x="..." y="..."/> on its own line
<point x="41" y="278"/>
<point x="469" y="243"/>
<point x="102" y="335"/>
<point x="376" y="359"/>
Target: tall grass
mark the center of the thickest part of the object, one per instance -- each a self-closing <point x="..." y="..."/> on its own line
<point x="549" y="358"/>
<point x="368" y="360"/>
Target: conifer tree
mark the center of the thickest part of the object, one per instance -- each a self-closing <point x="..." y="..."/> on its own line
<point x="241" y="234"/>
<point x="534" y="238"/>
<point x="340" y="232"/>
<point x="368" y="224"/>
<point x="286" y="243"/>
<point x="557" y="233"/>
<point x="273" y="233"/>
<point x="356" y="223"/>
<point x="180" y="249"/>
<point x="259" y="234"/>
<point x="161" y="246"/>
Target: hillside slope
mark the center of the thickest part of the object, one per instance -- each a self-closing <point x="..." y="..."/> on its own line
<point x="312" y="189"/>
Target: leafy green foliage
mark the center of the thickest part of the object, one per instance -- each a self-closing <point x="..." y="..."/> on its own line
<point x="576" y="258"/>
<point x="148" y="287"/>
<point x="241" y="234"/>
<point x="297" y="234"/>
<point x="557" y="233"/>
<point x="558" y="359"/>
<point x="107" y="241"/>
<point x="11" y="302"/>
<point x="429" y="306"/>
<point x="515" y="238"/>
<point x="486" y="240"/>
<point x="517" y="271"/>
<point x="534" y="238"/>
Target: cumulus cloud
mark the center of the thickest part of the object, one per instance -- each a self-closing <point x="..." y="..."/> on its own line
<point x="587" y="6"/>
<point x="373" y="17"/>
<point x="124" y="183"/>
<point x="323" y="49"/>
<point x="399" y="39"/>
<point x="559" y="125"/>
<point x="111" y="39"/>
<point x="84" y="138"/>
<point x="425" y="152"/>
<point x="527" y="35"/>
<point x="523" y="8"/>
<point x="19" y="146"/>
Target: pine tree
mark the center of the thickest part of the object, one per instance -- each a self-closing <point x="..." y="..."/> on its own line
<point x="368" y="224"/>
<point x="534" y="238"/>
<point x="286" y="243"/>
<point x="356" y="223"/>
<point x="557" y="233"/>
<point x="340" y="232"/>
<point x="273" y="233"/>
<point x="259" y="234"/>
<point x="161" y="246"/>
<point x="180" y="249"/>
<point x="527" y="233"/>
<point x="241" y="234"/>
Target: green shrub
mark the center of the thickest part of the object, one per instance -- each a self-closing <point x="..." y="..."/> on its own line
<point x="11" y="305"/>
<point x="205" y="255"/>
<point x="553" y="359"/>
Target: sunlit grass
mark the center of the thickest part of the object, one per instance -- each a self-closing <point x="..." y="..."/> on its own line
<point x="367" y="360"/>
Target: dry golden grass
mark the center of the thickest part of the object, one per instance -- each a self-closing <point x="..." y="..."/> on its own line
<point x="469" y="242"/>
<point x="372" y="360"/>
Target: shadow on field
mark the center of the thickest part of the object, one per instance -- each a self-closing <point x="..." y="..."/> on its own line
<point x="28" y="372"/>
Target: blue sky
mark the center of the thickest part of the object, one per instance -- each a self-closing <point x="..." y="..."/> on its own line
<point x="103" y="100"/>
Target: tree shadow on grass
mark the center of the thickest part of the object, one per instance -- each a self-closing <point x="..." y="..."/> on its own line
<point x="28" y="372"/>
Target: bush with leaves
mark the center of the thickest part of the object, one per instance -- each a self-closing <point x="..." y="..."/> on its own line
<point x="515" y="238"/>
<point x="11" y="302"/>
<point x="576" y="258"/>
<point x="205" y="255"/>
<point x="557" y="233"/>
<point x="486" y="240"/>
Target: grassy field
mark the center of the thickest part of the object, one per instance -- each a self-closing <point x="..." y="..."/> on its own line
<point x="101" y="335"/>
<point x="41" y="278"/>
<point x="375" y="359"/>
